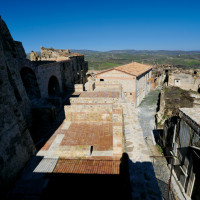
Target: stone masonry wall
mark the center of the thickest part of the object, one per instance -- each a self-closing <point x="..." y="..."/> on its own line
<point x="51" y="53"/>
<point x="16" y="145"/>
<point x="185" y="80"/>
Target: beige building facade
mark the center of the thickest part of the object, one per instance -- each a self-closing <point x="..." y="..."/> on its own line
<point x="135" y="79"/>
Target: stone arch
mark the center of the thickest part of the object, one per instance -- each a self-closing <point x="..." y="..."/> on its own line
<point x="53" y="87"/>
<point x="30" y="83"/>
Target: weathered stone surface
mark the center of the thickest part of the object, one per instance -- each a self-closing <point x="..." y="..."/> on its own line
<point x="34" y="56"/>
<point x="16" y="145"/>
<point x="29" y="93"/>
<point x="54" y="54"/>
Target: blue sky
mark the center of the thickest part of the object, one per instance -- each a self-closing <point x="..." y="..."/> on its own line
<point x="104" y="24"/>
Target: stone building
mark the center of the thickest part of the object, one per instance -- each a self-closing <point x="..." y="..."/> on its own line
<point x="135" y="79"/>
<point x="178" y="76"/>
<point x="185" y="79"/>
<point x="31" y="91"/>
<point x="181" y="139"/>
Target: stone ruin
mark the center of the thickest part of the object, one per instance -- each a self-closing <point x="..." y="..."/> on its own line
<point x="54" y="54"/>
<point x="34" y="56"/>
<point x="187" y="79"/>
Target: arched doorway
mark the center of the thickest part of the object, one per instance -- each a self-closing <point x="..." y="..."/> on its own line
<point x="53" y="87"/>
<point x="30" y="83"/>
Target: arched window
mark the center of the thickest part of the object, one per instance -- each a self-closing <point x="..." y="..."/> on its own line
<point x="53" y="87"/>
<point x="30" y="83"/>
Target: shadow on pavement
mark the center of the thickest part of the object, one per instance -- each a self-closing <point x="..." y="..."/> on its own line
<point x="134" y="181"/>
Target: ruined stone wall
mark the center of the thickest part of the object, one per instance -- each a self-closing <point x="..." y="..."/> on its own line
<point x="67" y="72"/>
<point x="16" y="145"/>
<point x="51" y="53"/>
<point x="25" y="86"/>
<point x="185" y="79"/>
<point x="34" y="56"/>
<point x="45" y="72"/>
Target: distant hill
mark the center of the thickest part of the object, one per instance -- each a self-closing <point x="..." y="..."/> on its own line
<point x="107" y="59"/>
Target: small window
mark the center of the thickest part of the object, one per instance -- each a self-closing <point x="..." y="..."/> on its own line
<point x="91" y="150"/>
<point x="195" y="72"/>
<point x="101" y="79"/>
<point x="130" y="93"/>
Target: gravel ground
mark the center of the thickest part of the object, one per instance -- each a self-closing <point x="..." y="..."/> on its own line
<point x="146" y="115"/>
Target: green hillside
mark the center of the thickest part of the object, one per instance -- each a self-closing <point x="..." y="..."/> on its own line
<point x="104" y="60"/>
<point x="98" y="60"/>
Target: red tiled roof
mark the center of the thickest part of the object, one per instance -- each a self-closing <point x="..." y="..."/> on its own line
<point x="87" y="166"/>
<point x="98" y="135"/>
<point x="133" y="68"/>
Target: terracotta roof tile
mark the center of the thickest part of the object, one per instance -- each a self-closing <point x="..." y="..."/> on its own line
<point x="133" y="68"/>
<point x="85" y="166"/>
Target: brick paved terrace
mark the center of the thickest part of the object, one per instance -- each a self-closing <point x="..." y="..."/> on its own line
<point x="91" y="134"/>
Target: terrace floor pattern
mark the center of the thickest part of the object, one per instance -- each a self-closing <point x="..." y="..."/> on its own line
<point x="98" y="135"/>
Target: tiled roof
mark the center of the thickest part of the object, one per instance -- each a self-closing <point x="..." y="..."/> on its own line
<point x="84" y="166"/>
<point x="133" y="68"/>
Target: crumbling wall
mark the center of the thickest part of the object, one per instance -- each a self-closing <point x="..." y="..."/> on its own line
<point x="185" y="79"/>
<point x="53" y="54"/>
<point x="171" y="99"/>
<point x="16" y="145"/>
<point x="34" y="56"/>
